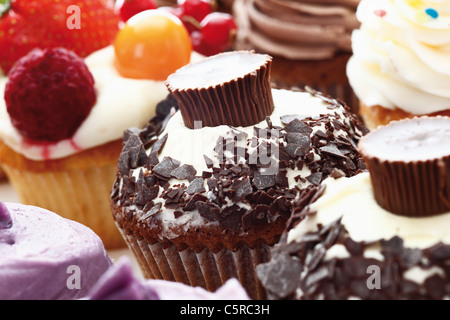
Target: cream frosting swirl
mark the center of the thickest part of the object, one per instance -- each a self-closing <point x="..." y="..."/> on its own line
<point x="402" y="55"/>
<point x="121" y="103"/>
<point x="352" y="199"/>
<point x="306" y="30"/>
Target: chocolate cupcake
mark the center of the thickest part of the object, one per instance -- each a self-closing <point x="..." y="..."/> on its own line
<point x="382" y="234"/>
<point x="201" y="198"/>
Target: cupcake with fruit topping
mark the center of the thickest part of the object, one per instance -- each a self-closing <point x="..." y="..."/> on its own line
<point x="382" y="234"/>
<point x="309" y="41"/>
<point x="46" y="257"/>
<point x="401" y="64"/>
<point x="202" y="197"/>
<point x="25" y="25"/>
<point x="63" y="117"/>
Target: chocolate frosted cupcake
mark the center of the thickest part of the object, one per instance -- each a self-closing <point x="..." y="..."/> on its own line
<point x="201" y="198"/>
<point x="310" y="41"/>
<point x="382" y="234"/>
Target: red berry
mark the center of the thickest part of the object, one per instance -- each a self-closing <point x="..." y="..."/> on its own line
<point x="218" y="31"/>
<point x="49" y="94"/>
<point x="129" y="8"/>
<point x="197" y="9"/>
<point x="200" y="46"/>
<point x="82" y="26"/>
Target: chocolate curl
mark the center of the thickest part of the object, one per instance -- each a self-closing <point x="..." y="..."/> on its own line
<point x="415" y="189"/>
<point x="242" y="101"/>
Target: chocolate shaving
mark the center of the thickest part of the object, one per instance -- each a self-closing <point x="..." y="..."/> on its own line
<point x="157" y="147"/>
<point x="241" y="189"/>
<point x="164" y="169"/>
<point x="184" y="172"/>
<point x="262" y="181"/>
<point x="298" y="126"/>
<point x="333" y="150"/>
<point x="209" y="211"/>
<point x="196" y="186"/>
<point x="315" y="178"/>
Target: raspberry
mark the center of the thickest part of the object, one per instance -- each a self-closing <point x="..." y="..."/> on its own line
<point x="49" y="94"/>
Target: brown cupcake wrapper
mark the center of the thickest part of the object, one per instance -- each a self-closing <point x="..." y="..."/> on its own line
<point x="243" y="101"/>
<point x="205" y="269"/>
<point x="414" y="189"/>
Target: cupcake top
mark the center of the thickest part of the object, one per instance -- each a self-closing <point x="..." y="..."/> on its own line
<point x="119" y="283"/>
<point x="348" y="244"/>
<point x="400" y="55"/>
<point x="123" y="96"/>
<point x="107" y="119"/>
<point x="232" y="179"/>
<point x="44" y="256"/>
<point x="305" y="30"/>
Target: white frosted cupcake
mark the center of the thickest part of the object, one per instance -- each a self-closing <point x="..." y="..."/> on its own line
<point x="401" y="64"/>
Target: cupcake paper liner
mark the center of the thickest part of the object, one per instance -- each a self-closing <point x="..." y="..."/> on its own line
<point x="79" y="195"/>
<point x="206" y="269"/>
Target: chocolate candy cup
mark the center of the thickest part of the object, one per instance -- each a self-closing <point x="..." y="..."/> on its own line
<point x="409" y="163"/>
<point x="231" y="88"/>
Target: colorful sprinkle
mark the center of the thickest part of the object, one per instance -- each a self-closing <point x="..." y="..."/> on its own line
<point x="380" y="13"/>
<point x="415" y="3"/>
<point x="432" y="13"/>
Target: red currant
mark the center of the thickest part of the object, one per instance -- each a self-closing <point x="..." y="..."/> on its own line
<point x="200" y="46"/>
<point x="218" y="31"/>
<point x="129" y="8"/>
<point x="197" y="9"/>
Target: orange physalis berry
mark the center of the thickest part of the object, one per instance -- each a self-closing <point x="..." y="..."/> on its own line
<point x="152" y="45"/>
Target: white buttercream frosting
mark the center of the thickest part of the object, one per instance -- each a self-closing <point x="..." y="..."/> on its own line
<point x="189" y="145"/>
<point x="352" y="199"/>
<point x="121" y="103"/>
<point x="401" y="55"/>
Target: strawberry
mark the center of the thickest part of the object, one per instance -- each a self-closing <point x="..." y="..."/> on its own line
<point x="82" y="26"/>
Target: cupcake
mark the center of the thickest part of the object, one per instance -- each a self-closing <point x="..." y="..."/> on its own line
<point x="25" y="25"/>
<point x="119" y="283"/>
<point x="309" y="41"/>
<point x="202" y="197"/>
<point x="61" y="132"/>
<point x="400" y="66"/>
<point x="46" y="257"/>
<point x="382" y="234"/>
